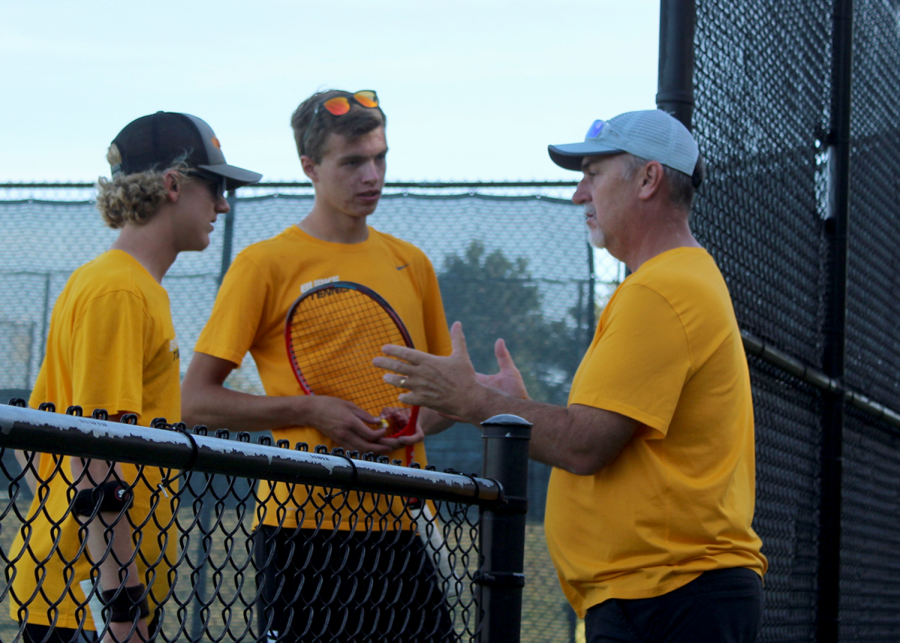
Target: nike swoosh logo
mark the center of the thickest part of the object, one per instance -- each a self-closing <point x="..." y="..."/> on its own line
<point x="402" y="267"/>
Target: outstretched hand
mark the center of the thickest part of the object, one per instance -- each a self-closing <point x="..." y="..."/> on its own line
<point x="450" y="384"/>
<point x="509" y="379"/>
<point x="445" y="384"/>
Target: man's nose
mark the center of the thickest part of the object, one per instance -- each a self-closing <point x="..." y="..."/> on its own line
<point x="582" y="193"/>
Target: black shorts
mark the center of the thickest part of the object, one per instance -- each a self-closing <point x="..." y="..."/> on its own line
<point x="720" y="606"/>
<point x="347" y="586"/>
<point x="44" y="634"/>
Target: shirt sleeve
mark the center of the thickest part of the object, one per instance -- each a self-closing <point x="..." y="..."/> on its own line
<point x="640" y="361"/>
<point x="108" y="354"/>
<point x="235" y="318"/>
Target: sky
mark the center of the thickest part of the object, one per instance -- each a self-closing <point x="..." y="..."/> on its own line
<point x="473" y="91"/>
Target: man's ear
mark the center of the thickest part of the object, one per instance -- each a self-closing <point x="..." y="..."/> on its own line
<point x="309" y="168"/>
<point x="651" y="179"/>
<point x="172" y="181"/>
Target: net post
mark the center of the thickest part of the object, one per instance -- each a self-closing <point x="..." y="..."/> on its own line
<point x="501" y="576"/>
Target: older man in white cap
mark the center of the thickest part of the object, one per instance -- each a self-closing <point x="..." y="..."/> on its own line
<point x="652" y="494"/>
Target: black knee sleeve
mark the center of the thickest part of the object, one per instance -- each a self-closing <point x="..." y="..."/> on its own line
<point x="111" y="496"/>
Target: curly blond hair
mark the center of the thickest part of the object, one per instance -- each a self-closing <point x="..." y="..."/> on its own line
<point x="132" y="198"/>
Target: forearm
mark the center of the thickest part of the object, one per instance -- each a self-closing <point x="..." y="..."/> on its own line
<point x="220" y="408"/>
<point x="579" y="439"/>
<point x="548" y="442"/>
<point x="433" y="422"/>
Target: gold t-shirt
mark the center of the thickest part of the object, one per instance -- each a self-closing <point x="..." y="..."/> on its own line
<point x="249" y="315"/>
<point x="111" y="346"/>
<point x="679" y="498"/>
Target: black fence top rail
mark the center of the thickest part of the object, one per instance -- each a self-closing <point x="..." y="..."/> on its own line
<point x="29" y="429"/>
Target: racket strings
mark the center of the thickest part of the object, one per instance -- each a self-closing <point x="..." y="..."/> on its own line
<point x="334" y="336"/>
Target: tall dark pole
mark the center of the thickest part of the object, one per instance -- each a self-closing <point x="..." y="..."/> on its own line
<point x="675" y="85"/>
<point x="675" y="81"/>
<point x="834" y="331"/>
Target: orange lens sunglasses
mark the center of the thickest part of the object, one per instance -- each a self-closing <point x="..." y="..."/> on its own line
<point x="340" y="105"/>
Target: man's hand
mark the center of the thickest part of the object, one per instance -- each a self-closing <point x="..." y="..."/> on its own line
<point x="448" y="385"/>
<point x="348" y="425"/>
<point x="509" y="379"/>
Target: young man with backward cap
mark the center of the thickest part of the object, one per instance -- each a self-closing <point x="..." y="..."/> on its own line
<point x="112" y="346"/>
<point x="652" y="494"/>
<point x="331" y="568"/>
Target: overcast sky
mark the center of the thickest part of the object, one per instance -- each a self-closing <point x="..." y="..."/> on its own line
<point x="472" y="90"/>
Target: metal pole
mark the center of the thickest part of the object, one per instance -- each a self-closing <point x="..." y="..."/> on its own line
<point x="45" y="321"/>
<point x="228" y="235"/>
<point x="675" y="84"/>
<point x="834" y="331"/>
<point x="502" y="576"/>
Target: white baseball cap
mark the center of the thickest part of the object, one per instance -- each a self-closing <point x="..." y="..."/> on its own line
<point x="651" y="134"/>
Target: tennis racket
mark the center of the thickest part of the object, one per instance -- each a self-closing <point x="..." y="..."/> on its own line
<point x="333" y="332"/>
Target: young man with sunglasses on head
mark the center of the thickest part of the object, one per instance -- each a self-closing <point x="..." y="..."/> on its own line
<point x="385" y="588"/>
<point x="112" y="346"/>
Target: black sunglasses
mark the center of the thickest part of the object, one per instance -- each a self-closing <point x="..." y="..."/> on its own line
<point x="215" y="183"/>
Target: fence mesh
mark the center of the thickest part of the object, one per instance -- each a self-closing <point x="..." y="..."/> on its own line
<point x="215" y="574"/>
<point x="871" y="454"/>
<point x="873" y="308"/>
<point x="511" y="266"/>
<point x="763" y="99"/>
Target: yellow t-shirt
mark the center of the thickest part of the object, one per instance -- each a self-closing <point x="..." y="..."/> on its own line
<point x="679" y="498"/>
<point x="111" y="346"/>
<point x="249" y="315"/>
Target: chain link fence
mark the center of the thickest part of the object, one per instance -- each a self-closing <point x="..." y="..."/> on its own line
<point x="414" y="569"/>
<point x="511" y="262"/>
<point x="764" y="93"/>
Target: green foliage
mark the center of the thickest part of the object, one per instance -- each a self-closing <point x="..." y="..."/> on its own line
<point x="495" y="297"/>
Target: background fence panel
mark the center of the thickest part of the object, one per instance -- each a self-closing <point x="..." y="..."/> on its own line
<point x="763" y="87"/>
<point x="516" y="266"/>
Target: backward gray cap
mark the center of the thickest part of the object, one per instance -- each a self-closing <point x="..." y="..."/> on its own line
<point x="651" y="134"/>
<point x="158" y="140"/>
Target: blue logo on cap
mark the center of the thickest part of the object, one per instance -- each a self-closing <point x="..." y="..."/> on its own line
<point x="595" y="129"/>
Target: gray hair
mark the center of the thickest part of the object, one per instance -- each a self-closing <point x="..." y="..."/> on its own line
<point x="681" y="186"/>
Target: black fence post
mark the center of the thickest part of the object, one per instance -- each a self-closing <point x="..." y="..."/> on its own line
<point x="675" y="83"/>
<point x="502" y="576"/>
<point x="835" y="322"/>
